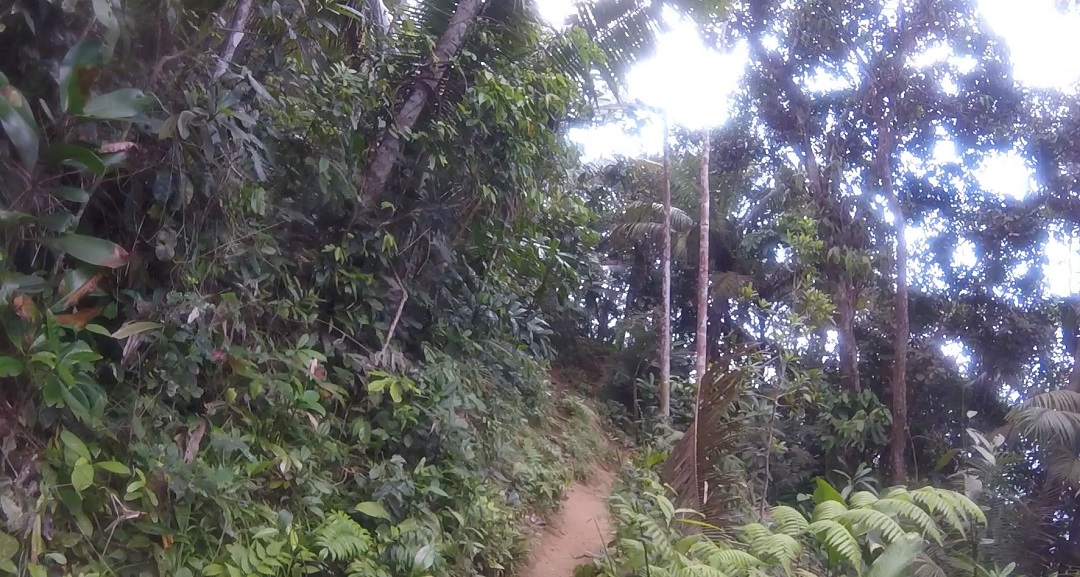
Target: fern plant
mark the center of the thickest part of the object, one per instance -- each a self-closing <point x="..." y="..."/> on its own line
<point x="864" y="534"/>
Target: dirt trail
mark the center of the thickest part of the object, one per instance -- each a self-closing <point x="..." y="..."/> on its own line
<point x="575" y="534"/>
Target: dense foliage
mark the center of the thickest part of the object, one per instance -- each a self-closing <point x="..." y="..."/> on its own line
<point x="215" y="360"/>
<point x="282" y="285"/>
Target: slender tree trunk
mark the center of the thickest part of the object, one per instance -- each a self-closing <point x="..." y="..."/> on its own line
<point x="899" y="434"/>
<point x="701" y="340"/>
<point x="665" y="265"/>
<point x="845" y="328"/>
<point x="373" y="183"/>
<point x="236" y="33"/>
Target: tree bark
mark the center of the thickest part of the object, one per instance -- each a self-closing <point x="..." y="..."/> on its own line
<point x="665" y="306"/>
<point x="385" y="159"/>
<point x="845" y="329"/>
<point x="701" y="338"/>
<point x="236" y="34"/>
<point x="899" y="434"/>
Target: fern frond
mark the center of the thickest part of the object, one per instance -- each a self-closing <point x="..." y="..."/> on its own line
<point x="773" y="547"/>
<point x="727" y="559"/>
<point x="872" y="519"/>
<point x="838" y="541"/>
<point x="932" y="500"/>
<point x="789" y="521"/>
<point x="826" y="510"/>
<point x="340" y="538"/>
<point x="910" y="512"/>
<point x="963" y="505"/>
<point x="862" y="499"/>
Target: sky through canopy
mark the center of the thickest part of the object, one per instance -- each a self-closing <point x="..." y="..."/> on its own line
<point x="692" y="85"/>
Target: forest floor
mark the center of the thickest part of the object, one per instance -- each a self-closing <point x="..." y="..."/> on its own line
<point x="579" y="532"/>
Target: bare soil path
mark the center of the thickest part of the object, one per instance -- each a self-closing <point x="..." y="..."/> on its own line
<point x="579" y="531"/>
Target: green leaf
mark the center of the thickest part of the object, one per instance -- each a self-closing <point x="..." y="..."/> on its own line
<point x="58" y="221"/>
<point x="9" y="547"/>
<point x="134" y="328"/>
<point x="90" y="249"/>
<point x="77" y="72"/>
<point x="826" y="492"/>
<point x="82" y="476"/>
<point x="74" y="444"/>
<point x="424" y="558"/>
<point x="897" y="557"/>
<point x="395" y="392"/>
<point x="113" y="467"/>
<point x="98" y="330"/>
<point x="10" y="367"/>
<point x="373" y="509"/>
<point x="18" y="123"/>
<point x="945" y="459"/>
<point x="116" y="105"/>
<point x="377" y="385"/>
<point x="77" y="156"/>
<point x="73" y="194"/>
<point x="105" y="13"/>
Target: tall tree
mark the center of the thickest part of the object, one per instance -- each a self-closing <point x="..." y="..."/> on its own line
<point x="701" y="336"/>
<point x="665" y="298"/>
<point x="886" y="146"/>
<point x="388" y="150"/>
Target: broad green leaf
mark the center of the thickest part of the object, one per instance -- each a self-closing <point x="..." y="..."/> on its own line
<point x="113" y="467"/>
<point x="18" y="123"/>
<point x="77" y="73"/>
<point x="77" y="156"/>
<point x="897" y="557"/>
<point x="58" y="221"/>
<point x="134" y="328"/>
<point x="395" y="392"/>
<point x="424" y="558"/>
<point x="90" y="249"/>
<point x="9" y="547"/>
<point x="82" y="476"/>
<point x="826" y="492"/>
<point x="115" y="105"/>
<point x="105" y="13"/>
<point x="373" y="509"/>
<point x="75" y="444"/>
<point x="10" y="367"/>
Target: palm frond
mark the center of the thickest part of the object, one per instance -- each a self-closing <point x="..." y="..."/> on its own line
<point x="1064" y="467"/>
<point x="1047" y="424"/>
<point x="1060" y="400"/>
<point x="728" y="284"/>
<point x="924" y="566"/>
<point x="710" y="436"/>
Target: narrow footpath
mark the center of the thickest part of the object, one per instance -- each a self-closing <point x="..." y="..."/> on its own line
<point x="578" y="533"/>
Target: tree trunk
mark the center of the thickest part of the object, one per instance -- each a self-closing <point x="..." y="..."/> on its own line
<point x="373" y="183"/>
<point x="665" y="306"/>
<point x="845" y="328"/>
<point x="701" y="338"/>
<point x="899" y="434"/>
<point x="232" y="41"/>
